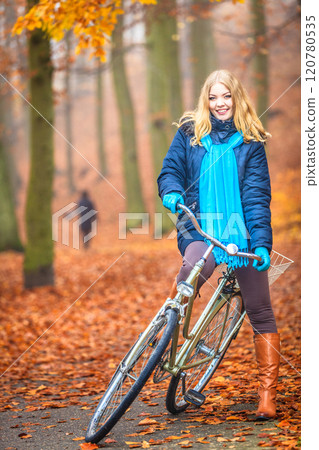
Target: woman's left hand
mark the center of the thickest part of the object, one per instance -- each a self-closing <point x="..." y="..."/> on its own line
<point x="265" y="263"/>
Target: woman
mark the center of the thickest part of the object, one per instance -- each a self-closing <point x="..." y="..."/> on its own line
<point x="217" y="166"/>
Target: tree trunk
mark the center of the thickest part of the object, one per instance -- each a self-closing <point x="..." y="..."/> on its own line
<point x="134" y="198"/>
<point x="164" y="90"/>
<point x="100" y="120"/>
<point x="203" y="50"/>
<point x="9" y="134"/>
<point x="9" y="238"/>
<point x="68" y="115"/>
<point x="38" y="263"/>
<point x="260" y="61"/>
<point x="171" y="69"/>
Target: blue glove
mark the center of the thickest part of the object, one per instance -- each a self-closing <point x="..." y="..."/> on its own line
<point x="170" y="201"/>
<point x="265" y="263"/>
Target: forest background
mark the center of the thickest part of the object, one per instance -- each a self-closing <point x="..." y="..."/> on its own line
<point x="106" y="127"/>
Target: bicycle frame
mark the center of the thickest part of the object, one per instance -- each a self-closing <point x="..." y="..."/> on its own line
<point x="177" y="360"/>
<point x="135" y="350"/>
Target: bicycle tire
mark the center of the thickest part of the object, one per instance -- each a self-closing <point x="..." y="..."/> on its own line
<point x="122" y="399"/>
<point x="199" y="376"/>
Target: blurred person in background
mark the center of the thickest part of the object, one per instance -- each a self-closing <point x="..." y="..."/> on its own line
<point x="86" y="225"/>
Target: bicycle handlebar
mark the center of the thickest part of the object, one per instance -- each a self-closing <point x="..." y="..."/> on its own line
<point x="231" y="249"/>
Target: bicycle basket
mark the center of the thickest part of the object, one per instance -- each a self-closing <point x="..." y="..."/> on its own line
<point x="278" y="265"/>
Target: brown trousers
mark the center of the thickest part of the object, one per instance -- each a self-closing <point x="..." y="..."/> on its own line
<point x="253" y="285"/>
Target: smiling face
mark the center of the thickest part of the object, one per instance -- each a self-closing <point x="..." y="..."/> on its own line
<point x="220" y="102"/>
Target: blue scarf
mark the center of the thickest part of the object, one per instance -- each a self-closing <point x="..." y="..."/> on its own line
<point x="220" y="204"/>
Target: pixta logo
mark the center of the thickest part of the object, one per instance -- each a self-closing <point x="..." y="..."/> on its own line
<point x="85" y="221"/>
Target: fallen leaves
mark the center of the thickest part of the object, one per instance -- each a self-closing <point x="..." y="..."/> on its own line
<point x="202" y="440"/>
<point x="133" y="444"/>
<point x="283" y="424"/>
<point x="78" y="359"/>
<point x="173" y="438"/>
<point x="147" y="422"/>
<point x="219" y="379"/>
<point x="186" y="444"/>
<point x="25" y="436"/>
<point x="35" y="391"/>
<point x="88" y="446"/>
<point x="109" y="441"/>
<point x="234" y="418"/>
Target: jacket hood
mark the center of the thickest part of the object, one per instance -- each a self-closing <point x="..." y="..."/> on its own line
<point x="221" y="125"/>
<point x="222" y="130"/>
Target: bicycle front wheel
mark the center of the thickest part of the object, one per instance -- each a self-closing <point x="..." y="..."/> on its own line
<point x="131" y="375"/>
<point x="197" y="377"/>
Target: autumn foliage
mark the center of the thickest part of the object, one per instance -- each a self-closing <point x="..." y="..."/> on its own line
<point x="92" y="21"/>
<point x="74" y="337"/>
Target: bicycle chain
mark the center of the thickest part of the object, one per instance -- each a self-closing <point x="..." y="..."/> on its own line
<point x="230" y="287"/>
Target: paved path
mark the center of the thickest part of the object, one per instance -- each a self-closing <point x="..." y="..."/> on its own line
<point x="60" y="428"/>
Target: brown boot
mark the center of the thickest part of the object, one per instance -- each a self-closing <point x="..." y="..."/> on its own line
<point x="173" y="290"/>
<point x="267" y="347"/>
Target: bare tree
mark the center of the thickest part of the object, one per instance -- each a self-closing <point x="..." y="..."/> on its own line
<point x="164" y="85"/>
<point x="134" y="198"/>
<point x="203" y="50"/>
<point x="260" y="58"/>
<point x="38" y="263"/>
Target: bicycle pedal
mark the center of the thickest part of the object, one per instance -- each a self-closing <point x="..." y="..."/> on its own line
<point x="194" y="397"/>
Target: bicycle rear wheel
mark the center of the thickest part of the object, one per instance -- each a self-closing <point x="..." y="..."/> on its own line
<point x="197" y="377"/>
<point x="130" y="376"/>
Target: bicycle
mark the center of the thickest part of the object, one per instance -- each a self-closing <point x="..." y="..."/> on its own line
<point x="191" y="364"/>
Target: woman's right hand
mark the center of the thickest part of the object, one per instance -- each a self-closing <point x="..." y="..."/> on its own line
<point x="170" y="201"/>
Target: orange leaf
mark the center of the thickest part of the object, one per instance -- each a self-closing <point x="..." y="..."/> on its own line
<point x="156" y="442"/>
<point x="172" y="438"/>
<point x="133" y="444"/>
<point x="238" y="439"/>
<point x="88" y="446"/>
<point x="147" y="422"/>
<point x="145" y="444"/>
<point x="203" y="440"/>
<point x="219" y="379"/>
<point x="25" y="436"/>
<point x="283" y="424"/>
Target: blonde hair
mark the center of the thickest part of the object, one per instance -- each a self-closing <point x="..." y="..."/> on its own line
<point x="244" y="115"/>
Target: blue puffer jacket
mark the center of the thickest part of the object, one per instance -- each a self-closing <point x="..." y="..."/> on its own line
<point x="181" y="172"/>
